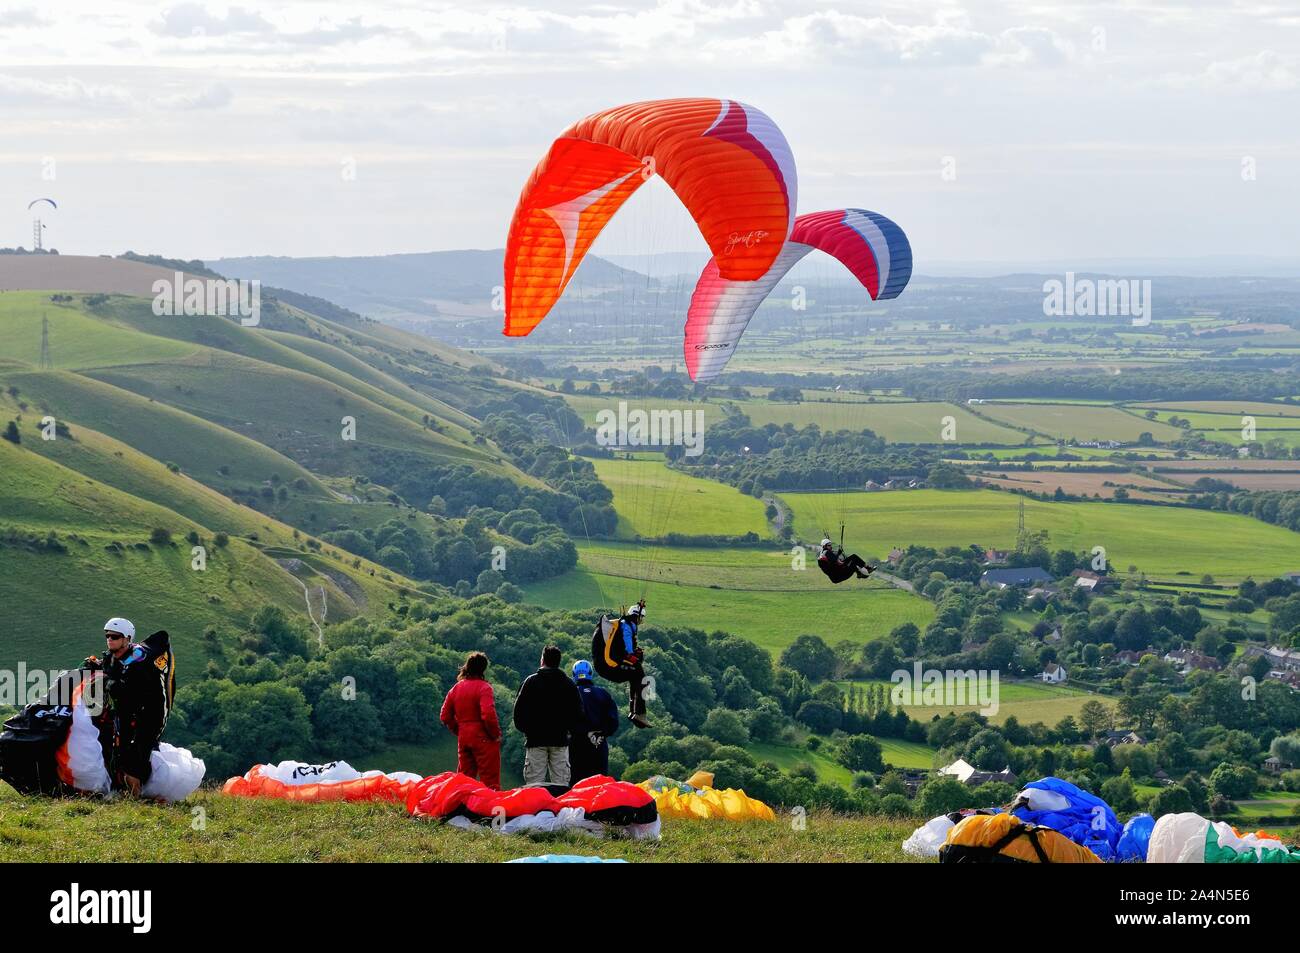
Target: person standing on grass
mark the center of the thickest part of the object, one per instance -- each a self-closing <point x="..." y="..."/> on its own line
<point x="470" y="713"/>
<point x="547" y="711"/>
<point x="589" y="747"/>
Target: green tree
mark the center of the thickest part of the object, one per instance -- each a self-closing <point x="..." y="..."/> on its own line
<point x="726" y="727"/>
<point x="262" y="724"/>
<point x="943" y="794"/>
<point x="1171" y="800"/>
<point x="862" y="753"/>
<point x="811" y="657"/>
<point x="1094" y="718"/>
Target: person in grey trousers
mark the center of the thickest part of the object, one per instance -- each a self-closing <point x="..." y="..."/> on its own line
<point x="547" y="711"/>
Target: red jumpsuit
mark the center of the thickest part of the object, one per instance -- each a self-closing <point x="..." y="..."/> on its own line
<point x="470" y="714"/>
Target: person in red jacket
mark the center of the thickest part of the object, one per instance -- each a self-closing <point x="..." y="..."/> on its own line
<point x="470" y="713"/>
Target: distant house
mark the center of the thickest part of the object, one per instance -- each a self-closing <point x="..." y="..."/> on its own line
<point x="1276" y="765"/>
<point x="1129" y="657"/>
<point x="1053" y="674"/>
<point x="1015" y="578"/>
<point x="996" y="557"/>
<point x="1187" y="660"/>
<point x="1163" y="777"/>
<point x="895" y="556"/>
<point x="1091" y="582"/>
<point x="873" y="485"/>
<point x="970" y="775"/>
<point x="1051" y="638"/>
<point x="1279" y="659"/>
<point x="1048" y="593"/>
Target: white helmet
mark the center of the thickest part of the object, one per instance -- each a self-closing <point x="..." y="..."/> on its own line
<point x="638" y="611"/>
<point x="121" y="627"/>
<point x="826" y="542"/>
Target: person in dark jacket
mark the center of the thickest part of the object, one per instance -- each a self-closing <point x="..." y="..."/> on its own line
<point x="137" y="677"/>
<point x="470" y="713"/>
<point x="547" y="711"/>
<point x="589" y="748"/>
<point x="839" y="567"/>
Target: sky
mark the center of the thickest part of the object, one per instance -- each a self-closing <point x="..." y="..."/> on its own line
<point x="990" y="131"/>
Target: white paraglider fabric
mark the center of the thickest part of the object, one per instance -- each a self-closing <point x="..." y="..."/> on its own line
<point x="299" y="772"/>
<point x="85" y="754"/>
<point x="566" y="819"/>
<point x="929" y="837"/>
<point x="1041" y="799"/>
<point x="176" y="773"/>
<point x="544" y="822"/>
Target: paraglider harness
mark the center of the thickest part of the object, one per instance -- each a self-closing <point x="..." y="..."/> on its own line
<point x="609" y="655"/>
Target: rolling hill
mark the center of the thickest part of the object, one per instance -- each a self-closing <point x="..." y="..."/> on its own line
<point x="164" y="422"/>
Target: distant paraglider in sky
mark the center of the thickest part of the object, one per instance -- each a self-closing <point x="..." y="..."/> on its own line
<point x="38" y="228"/>
<point x="871" y="246"/>
<point x="728" y="163"/>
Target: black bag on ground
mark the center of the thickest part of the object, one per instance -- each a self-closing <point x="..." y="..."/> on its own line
<point x="32" y="739"/>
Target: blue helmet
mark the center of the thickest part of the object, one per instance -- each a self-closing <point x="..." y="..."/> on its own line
<point x="582" y="669"/>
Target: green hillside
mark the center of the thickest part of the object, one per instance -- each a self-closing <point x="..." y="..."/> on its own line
<point x="102" y="501"/>
<point x="244" y="379"/>
<point x="218" y="457"/>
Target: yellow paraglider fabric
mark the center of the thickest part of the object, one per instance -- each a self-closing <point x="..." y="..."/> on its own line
<point x="976" y="838"/>
<point x="701" y="779"/>
<point x="707" y="804"/>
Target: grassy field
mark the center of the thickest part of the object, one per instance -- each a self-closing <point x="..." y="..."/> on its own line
<point x="653" y="500"/>
<point x="1027" y="701"/>
<point x="920" y="422"/>
<point x="1079" y="421"/>
<point x="1236" y="408"/>
<point x="898" y="754"/>
<point x="895" y="421"/>
<point x="1160" y="541"/>
<point x="236" y="830"/>
<point x="771" y="619"/>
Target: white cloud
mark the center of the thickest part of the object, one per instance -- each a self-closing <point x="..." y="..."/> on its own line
<point x="16" y="91"/>
<point x="194" y="19"/>
<point x="213" y="96"/>
<point x="1265" y="71"/>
